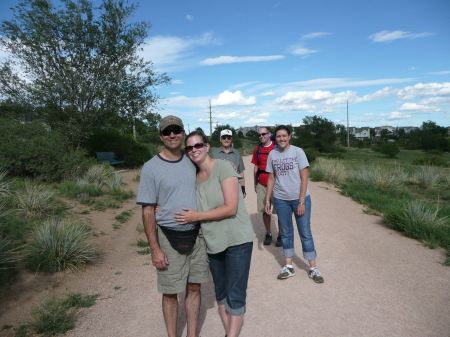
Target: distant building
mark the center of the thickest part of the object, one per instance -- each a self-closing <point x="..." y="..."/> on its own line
<point x="360" y="133"/>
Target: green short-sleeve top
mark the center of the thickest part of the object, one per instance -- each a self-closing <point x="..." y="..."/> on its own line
<point x="231" y="231"/>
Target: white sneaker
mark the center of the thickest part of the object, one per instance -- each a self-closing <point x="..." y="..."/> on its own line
<point x="286" y="272"/>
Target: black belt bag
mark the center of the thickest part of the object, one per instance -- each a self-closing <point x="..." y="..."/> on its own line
<point x="181" y="241"/>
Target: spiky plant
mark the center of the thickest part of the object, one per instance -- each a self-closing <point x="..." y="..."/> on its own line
<point x="428" y="177"/>
<point x="59" y="245"/>
<point x="332" y="170"/>
<point x="382" y="177"/>
<point x="419" y="214"/>
<point x="4" y="184"/>
<point x="34" y="200"/>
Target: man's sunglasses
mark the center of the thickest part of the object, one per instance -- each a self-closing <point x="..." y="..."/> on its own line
<point x="262" y="134"/>
<point x="226" y="137"/>
<point x="167" y="132"/>
<point x="195" y="146"/>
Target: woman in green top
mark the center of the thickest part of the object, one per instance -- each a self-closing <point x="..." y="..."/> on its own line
<point x="226" y="227"/>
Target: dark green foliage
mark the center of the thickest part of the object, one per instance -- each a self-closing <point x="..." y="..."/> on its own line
<point x="316" y="132"/>
<point x="311" y="154"/>
<point x="237" y="143"/>
<point x="81" y="64"/>
<point x="144" y="251"/>
<point x="389" y="149"/>
<point x="336" y="155"/>
<point x="124" y="147"/>
<point x="31" y="149"/>
<point x="431" y="160"/>
<point x="142" y="243"/>
<point x="252" y="135"/>
<point x="80" y="301"/>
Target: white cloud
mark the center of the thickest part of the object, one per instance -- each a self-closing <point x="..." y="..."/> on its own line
<point x="395" y="115"/>
<point x="172" y="51"/>
<point x="256" y="121"/>
<point x="177" y="81"/>
<point x="419" y="108"/>
<point x="174" y="93"/>
<point x="189" y="17"/>
<point x="388" y="36"/>
<point x="230" y="115"/>
<point x="317" y="96"/>
<point x="230" y="98"/>
<point x="324" y="83"/>
<point x="314" y="35"/>
<point x="268" y="93"/>
<point x="424" y="89"/>
<point x="237" y="59"/>
<point x="444" y="72"/>
<point x="299" y="50"/>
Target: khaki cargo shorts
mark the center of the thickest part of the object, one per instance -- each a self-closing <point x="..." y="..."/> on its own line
<point x="261" y="199"/>
<point x="183" y="268"/>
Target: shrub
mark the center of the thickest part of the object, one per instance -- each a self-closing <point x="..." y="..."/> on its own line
<point x="34" y="200"/>
<point x="311" y="154"/>
<point x="332" y="171"/>
<point x="31" y="149"/>
<point x="427" y="177"/>
<point x="383" y="178"/>
<point x="390" y="150"/>
<point x="59" y="245"/>
<point x="124" y="147"/>
<point x="431" y="159"/>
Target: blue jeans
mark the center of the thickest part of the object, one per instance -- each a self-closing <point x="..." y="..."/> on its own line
<point x="230" y="270"/>
<point x="285" y="209"/>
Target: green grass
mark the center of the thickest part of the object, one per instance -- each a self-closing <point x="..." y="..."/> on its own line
<point x="56" y="315"/>
<point x="411" y="199"/>
<point x="142" y="243"/>
<point x="124" y="216"/>
<point x="144" y="251"/>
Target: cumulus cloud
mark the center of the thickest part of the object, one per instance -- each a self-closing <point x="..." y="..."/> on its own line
<point x="395" y="115"/>
<point x="416" y="108"/>
<point x="256" y="121"/>
<point x="238" y="59"/>
<point x="388" y="36"/>
<point x="424" y="89"/>
<point x="233" y="98"/>
<point x="189" y="17"/>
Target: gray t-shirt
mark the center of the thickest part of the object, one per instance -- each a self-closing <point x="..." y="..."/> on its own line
<point x="233" y="155"/>
<point x="286" y="166"/>
<point x="171" y="185"/>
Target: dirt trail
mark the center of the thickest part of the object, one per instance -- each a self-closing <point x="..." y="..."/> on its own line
<point x="377" y="282"/>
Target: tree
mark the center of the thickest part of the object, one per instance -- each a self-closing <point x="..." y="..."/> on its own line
<point x="77" y="67"/>
<point x="316" y="132"/>
<point x="433" y="137"/>
<point x="389" y="149"/>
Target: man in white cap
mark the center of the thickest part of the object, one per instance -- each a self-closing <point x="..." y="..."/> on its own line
<point x="178" y="252"/>
<point x="226" y="152"/>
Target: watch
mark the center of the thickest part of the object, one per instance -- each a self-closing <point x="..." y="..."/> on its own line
<point x="301" y="203"/>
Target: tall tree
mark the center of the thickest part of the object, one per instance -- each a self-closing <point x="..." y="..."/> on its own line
<point x="77" y="65"/>
<point x="316" y="132"/>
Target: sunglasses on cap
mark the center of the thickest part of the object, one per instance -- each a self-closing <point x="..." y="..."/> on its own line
<point x="195" y="146"/>
<point x="226" y="137"/>
<point x="168" y="131"/>
<point x="262" y="134"/>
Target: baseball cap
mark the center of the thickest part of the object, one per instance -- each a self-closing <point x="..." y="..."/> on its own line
<point x="225" y="132"/>
<point x="170" y="120"/>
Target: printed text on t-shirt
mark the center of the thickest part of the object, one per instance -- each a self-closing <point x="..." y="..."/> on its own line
<point x="284" y="166"/>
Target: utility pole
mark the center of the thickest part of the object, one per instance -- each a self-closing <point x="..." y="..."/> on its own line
<point x="348" y="130"/>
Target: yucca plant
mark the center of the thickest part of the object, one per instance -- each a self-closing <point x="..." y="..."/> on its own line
<point x="101" y="176"/>
<point x="428" y="177"/>
<point x="34" y="200"/>
<point x="382" y="177"/>
<point x="137" y="177"/>
<point x="332" y="170"/>
<point x="59" y="245"/>
<point x="4" y="184"/>
<point x="419" y="214"/>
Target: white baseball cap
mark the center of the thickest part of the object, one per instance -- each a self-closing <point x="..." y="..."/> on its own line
<point x="226" y="132"/>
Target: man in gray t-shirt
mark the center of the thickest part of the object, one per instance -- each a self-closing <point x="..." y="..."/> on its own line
<point x="168" y="180"/>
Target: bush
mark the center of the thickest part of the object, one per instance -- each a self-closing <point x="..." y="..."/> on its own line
<point x="431" y="159"/>
<point x="60" y="245"/>
<point x="390" y="150"/>
<point x="124" y="147"/>
<point x="32" y="150"/>
<point x="34" y="200"/>
<point x="311" y="154"/>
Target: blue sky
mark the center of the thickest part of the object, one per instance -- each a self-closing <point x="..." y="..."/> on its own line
<point x="275" y="62"/>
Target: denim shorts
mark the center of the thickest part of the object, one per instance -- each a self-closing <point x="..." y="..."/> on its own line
<point x="285" y="210"/>
<point x="230" y="270"/>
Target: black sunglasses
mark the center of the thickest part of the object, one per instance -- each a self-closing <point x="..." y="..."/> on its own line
<point x="167" y="132"/>
<point x="226" y="137"/>
<point x="262" y="134"/>
<point x="196" y="146"/>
